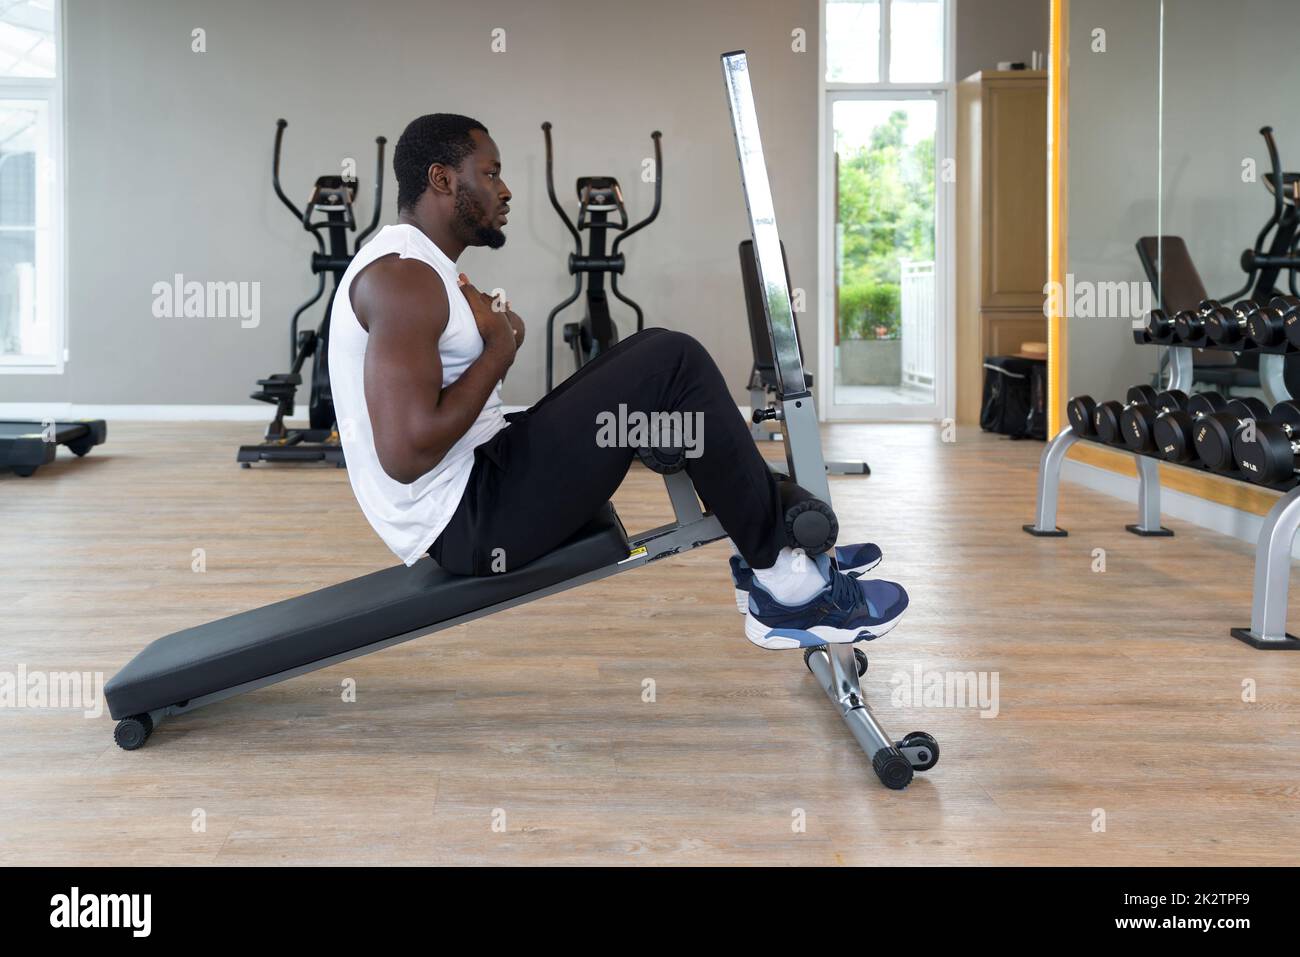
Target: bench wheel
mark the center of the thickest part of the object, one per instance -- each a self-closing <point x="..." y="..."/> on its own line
<point x="858" y="654"/>
<point x="133" y="732"/>
<point x="929" y="754"/>
<point x="894" y="770"/>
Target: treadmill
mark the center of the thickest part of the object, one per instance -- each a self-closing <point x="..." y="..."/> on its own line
<point x="24" y="447"/>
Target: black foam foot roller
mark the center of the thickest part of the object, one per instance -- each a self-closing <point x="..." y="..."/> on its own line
<point x="810" y="523"/>
<point x="665" y="461"/>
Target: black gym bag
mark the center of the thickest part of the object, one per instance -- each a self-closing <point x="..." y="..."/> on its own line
<point x="1015" y="397"/>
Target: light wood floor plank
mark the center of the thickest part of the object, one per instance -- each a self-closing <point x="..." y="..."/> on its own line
<point x="1118" y="691"/>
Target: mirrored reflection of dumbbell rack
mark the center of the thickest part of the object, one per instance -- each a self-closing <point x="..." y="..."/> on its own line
<point x="1272" y="461"/>
<point x="1272" y="332"/>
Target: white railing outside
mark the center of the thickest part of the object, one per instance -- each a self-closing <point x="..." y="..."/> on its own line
<point x="916" y="305"/>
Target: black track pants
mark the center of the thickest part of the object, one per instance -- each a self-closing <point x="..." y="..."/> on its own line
<point x="544" y="476"/>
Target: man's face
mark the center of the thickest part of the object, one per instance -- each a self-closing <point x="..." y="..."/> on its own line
<point x="482" y="197"/>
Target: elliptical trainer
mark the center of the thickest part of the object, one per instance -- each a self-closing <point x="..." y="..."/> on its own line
<point x="332" y="196"/>
<point x="1264" y="266"/>
<point x="598" y="197"/>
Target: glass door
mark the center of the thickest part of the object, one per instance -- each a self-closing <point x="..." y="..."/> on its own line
<point x="888" y="329"/>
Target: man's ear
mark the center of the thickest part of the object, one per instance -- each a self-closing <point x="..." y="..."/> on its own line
<point x="438" y="179"/>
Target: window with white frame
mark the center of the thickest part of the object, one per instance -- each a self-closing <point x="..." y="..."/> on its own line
<point x="30" y="219"/>
<point x="907" y="36"/>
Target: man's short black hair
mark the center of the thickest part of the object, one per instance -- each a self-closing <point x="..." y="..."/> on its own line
<point x="433" y="138"/>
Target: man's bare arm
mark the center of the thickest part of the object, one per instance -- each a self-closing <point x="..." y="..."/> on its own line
<point x="403" y="304"/>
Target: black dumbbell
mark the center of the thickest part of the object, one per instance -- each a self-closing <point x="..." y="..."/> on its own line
<point x="1137" y="421"/>
<point x="1189" y="327"/>
<point x="1289" y="306"/>
<point x="1193" y="326"/>
<point x="1213" y="314"/>
<point x="1266" y="326"/>
<point x="1213" y="432"/>
<point x="1080" y="410"/>
<point x="1267" y="453"/>
<point x="1106" y="419"/>
<point x="1174" y="430"/>
<point x="1159" y="326"/>
<point x="1227" y="327"/>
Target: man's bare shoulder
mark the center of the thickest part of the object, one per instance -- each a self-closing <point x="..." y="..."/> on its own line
<point x="393" y="287"/>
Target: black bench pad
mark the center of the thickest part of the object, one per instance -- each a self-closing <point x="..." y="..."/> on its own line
<point x="341" y="618"/>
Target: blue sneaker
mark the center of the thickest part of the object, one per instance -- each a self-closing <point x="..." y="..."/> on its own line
<point x="845" y="611"/>
<point x="853" y="560"/>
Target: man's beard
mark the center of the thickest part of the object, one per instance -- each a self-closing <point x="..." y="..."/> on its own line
<point x="469" y="222"/>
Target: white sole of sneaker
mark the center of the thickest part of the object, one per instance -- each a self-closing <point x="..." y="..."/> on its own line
<point x="765" y="637"/>
<point x="742" y="597"/>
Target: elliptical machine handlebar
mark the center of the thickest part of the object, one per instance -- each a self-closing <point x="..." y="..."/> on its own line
<point x="280" y="124"/>
<point x="300" y="215"/>
<point x="1277" y="177"/>
<point x="379" y="191"/>
<point x="654" y="213"/>
<point x="550" y="190"/>
<point x="659" y="192"/>
<point x="296" y="359"/>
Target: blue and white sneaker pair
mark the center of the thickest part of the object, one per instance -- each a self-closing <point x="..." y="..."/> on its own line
<point x="848" y="609"/>
<point x="853" y="560"/>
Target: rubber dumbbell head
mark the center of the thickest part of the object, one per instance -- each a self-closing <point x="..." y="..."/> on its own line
<point x="1106" y="423"/>
<point x="1266" y="327"/>
<point x="1289" y="307"/>
<point x="1137" y="423"/>
<point x="1173" y="432"/>
<point x="1108" y="417"/>
<point x="1171" y="399"/>
<point x="1213" y="433"/>
<point x="1080" y="410"/>
<point x="1265" y="451"/>
<point x="1189" y="327"/>
<point x="1216" y="317"/>
<point x="1159" y="326"/>
<point x="1228" y="326"/>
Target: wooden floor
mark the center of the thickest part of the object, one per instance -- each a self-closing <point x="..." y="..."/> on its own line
<point x="1119" y="692"/>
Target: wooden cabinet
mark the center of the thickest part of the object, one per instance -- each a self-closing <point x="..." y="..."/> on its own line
<point x="1001" y="222"/>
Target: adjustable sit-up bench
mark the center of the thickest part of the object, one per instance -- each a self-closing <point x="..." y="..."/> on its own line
<point x="202" y="665"/>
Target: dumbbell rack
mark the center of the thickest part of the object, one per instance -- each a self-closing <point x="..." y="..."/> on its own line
<point x="1272" y="579"/>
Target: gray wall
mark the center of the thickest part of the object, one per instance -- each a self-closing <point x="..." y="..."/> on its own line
<point x="169" y="155"/>
<point x="989" y="31"/>
<point x="1226" y="74"/>
<point x="1212" y="122"/>
<point x="1112" y="180"/>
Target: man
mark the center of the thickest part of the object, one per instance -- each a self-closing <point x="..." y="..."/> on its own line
<point x="417" y="355"/>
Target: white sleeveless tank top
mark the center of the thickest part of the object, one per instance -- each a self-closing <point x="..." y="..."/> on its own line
<point x="407" y="517"/>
